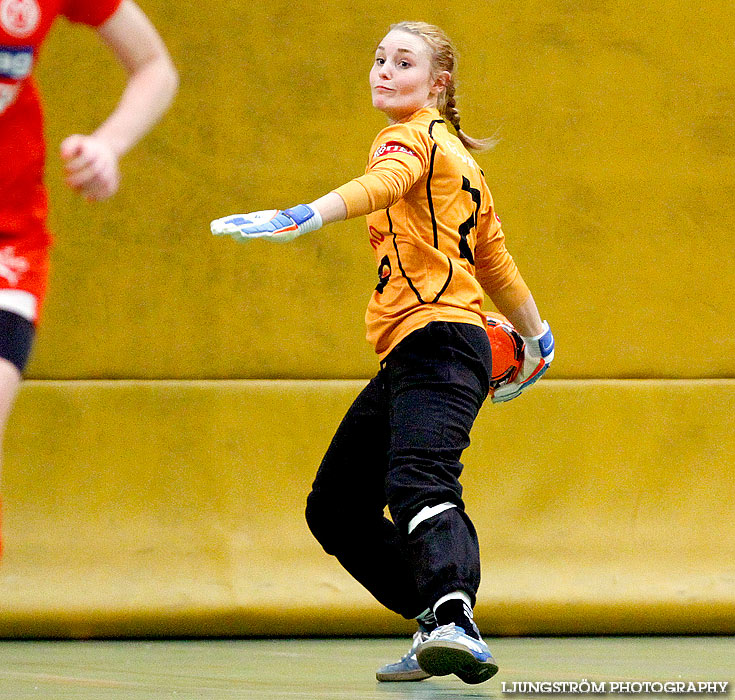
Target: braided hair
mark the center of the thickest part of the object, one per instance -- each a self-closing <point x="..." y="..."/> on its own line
<point x="444" y="58"/>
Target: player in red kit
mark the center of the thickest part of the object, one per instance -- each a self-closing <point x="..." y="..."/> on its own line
<point x="90" y="161"/>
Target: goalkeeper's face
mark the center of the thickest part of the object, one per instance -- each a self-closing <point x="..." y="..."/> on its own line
<point x="401" y="79"/>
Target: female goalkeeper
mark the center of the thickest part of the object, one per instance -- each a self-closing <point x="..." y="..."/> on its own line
<point x="438" y="244"/>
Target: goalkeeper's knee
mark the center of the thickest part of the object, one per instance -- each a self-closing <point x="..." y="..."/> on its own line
<point x="325" y="524"/>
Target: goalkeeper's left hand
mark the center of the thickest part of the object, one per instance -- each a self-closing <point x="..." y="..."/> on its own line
<point x="538" y="353"/>
<point x="271" y="225"/>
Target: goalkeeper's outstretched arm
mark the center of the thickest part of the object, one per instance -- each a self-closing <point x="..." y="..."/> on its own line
<point x="331" y="208"/>
<point x="386" y="183"/>
<point x="281" y="226"/>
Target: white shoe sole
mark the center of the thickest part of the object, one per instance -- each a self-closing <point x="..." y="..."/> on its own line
<point x="402" y="676"/>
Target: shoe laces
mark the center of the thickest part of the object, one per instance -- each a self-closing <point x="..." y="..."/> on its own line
<point x="418" y="637"/>
<point x="446" y="631"/>
<point x="450" y="633"/>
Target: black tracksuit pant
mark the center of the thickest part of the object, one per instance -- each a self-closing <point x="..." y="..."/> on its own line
<point x="400" y="445"/>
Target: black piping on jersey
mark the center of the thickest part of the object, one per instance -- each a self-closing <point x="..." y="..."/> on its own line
<point x="431" y="127"/>
<point x="434" y="227"/>
<point x="403" y="272"/>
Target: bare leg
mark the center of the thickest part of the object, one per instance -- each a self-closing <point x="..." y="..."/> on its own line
<point x="9" y="382"/>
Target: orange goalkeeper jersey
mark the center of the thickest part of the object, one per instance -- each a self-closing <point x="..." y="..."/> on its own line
<point x="433" y="227"/>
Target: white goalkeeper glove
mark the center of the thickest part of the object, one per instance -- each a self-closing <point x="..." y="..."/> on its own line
<point x="272" y="224"/>
<point x="538" y="352"/>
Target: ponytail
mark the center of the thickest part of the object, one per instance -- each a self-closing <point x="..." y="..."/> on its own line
<point x="451" y="114"/>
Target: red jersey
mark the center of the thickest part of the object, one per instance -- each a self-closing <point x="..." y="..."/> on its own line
<point x="24" y="25"/>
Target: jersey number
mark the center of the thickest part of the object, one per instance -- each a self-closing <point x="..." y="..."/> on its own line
<point x="466" y="228"/>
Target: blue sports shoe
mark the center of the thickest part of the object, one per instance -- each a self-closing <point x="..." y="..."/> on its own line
<point x="407" y="669"/>
<point x="449" y="650"/>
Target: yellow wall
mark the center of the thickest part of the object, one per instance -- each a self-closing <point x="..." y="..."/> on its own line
<point x="177" y="508"/>
<point x="172" y="501"/>
<point x="613" y="178"/>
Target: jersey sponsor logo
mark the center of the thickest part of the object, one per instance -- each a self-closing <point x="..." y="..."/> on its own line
<point x="12" y="266"/>
<point x="392" y="147"/>
<point x="16" y="62"/>
<point x="19" y="17"/>
<point x="7" y="95"/>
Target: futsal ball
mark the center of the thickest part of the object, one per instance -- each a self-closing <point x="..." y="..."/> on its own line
<point x="507" y="349"/>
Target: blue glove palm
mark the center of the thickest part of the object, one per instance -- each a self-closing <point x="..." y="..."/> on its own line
<point x="538" y="353"/>
<point x="271" y="224"/>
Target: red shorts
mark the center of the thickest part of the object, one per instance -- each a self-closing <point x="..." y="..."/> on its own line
<point x="24" y="265"/>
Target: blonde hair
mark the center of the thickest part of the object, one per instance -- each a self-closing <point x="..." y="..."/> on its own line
<point x="444" y="58"/>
